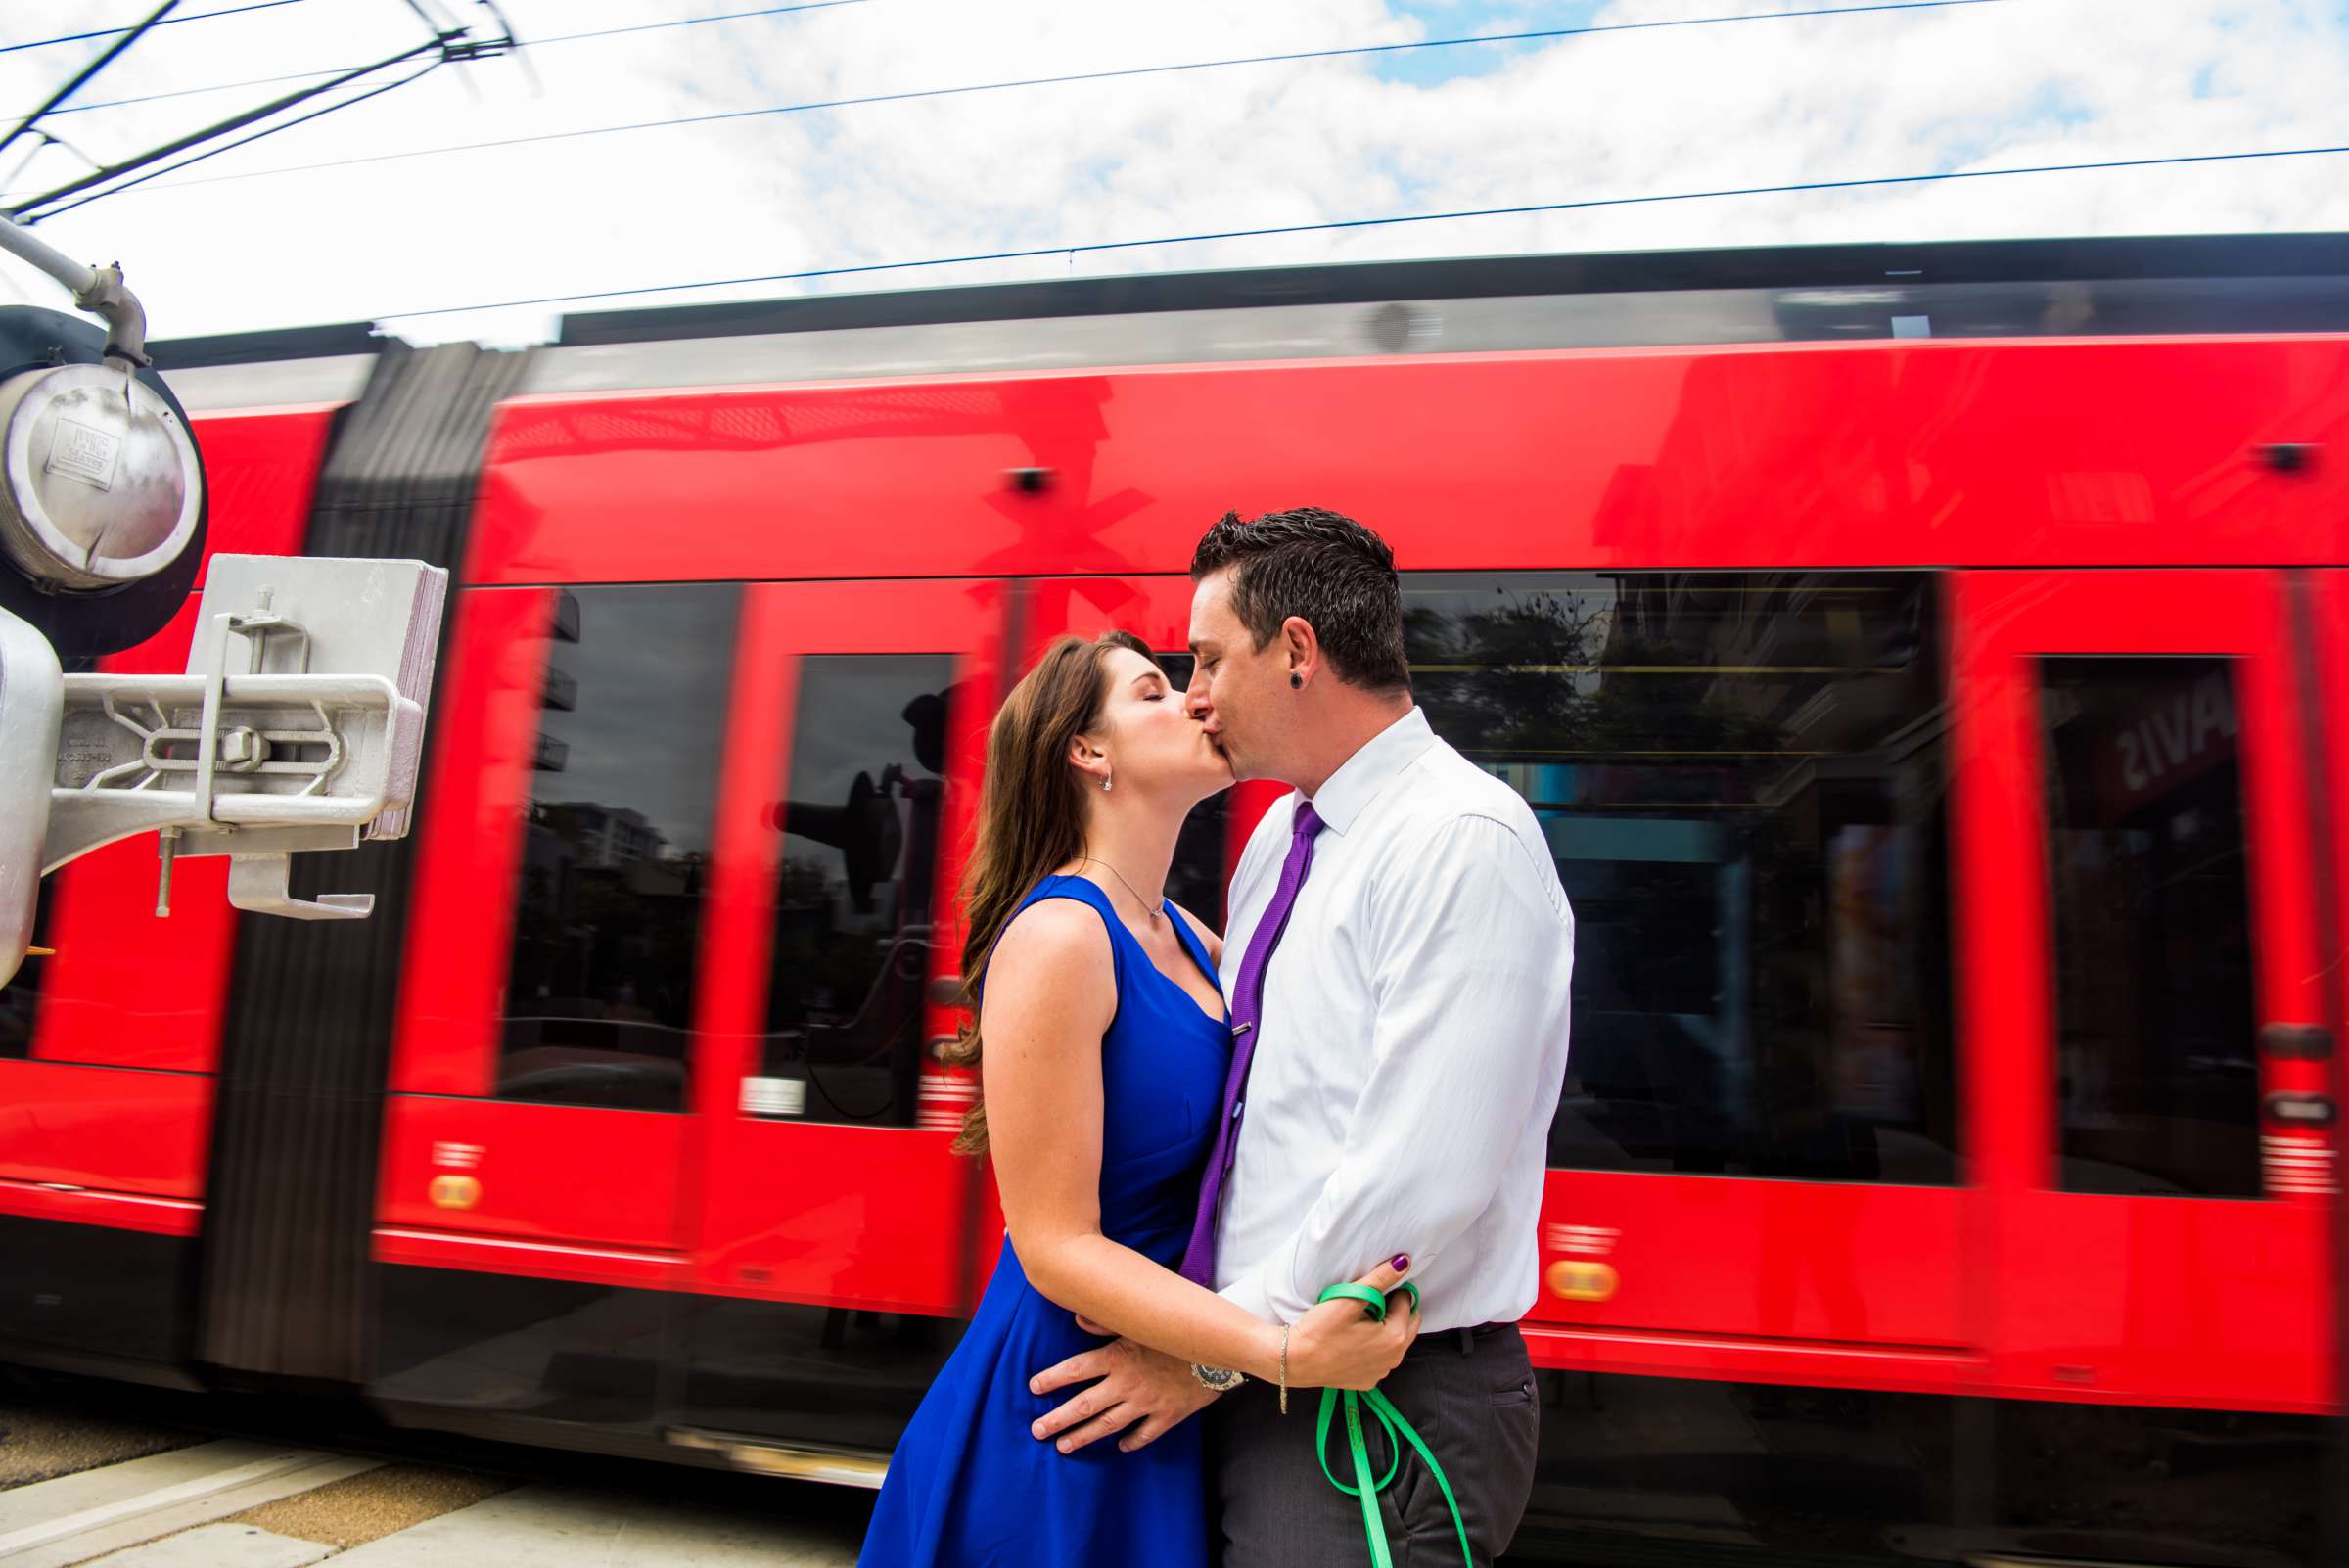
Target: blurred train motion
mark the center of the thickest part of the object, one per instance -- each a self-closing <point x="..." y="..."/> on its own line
<point x="1924" y="661"/>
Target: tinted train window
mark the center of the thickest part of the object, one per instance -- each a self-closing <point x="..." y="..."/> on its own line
<point x="855" y="888"/>
<point x="615" y="858"/>
<point x="2157" y="1084"/>
<point x="1740" y="775"/>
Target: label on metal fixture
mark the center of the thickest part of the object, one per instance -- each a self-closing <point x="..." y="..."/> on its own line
<point x="84" y="453"/>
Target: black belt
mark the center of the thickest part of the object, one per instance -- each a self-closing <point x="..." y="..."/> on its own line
<point x="1457" y="1341"/>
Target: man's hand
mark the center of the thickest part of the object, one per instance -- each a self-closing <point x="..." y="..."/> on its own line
<point x="1141" y="1393"/>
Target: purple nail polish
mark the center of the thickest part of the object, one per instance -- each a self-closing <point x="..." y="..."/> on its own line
<point x="1402" y="1262"/>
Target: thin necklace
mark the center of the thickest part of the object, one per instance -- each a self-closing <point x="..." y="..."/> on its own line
<point x="1087" y="859"/>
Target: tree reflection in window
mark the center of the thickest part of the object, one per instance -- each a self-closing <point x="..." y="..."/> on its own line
<point x="1740" y="777"/>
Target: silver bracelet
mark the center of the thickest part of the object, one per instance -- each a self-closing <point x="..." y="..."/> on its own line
<point x="1284" y="1368"/>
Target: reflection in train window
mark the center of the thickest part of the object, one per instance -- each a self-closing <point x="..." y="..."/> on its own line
<point x="616" y="856"/>
<point x="2157" y="1084"/>
<point x="855" y="888"/>
<point x="1740" y="775"/>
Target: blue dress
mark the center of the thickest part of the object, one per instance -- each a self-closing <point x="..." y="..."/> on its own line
<point x="969" y="1487"/>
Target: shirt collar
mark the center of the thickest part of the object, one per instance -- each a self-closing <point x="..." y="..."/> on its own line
<point x="1372" y="766"/>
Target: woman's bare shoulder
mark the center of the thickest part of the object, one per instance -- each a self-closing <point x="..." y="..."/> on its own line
<point x="1053" y="942"/>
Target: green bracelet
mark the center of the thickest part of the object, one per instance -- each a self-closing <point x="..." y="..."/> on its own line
<point x="1389" y="1419"/>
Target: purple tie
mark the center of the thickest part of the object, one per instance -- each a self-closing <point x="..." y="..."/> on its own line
<point x="1247" y="1000"/>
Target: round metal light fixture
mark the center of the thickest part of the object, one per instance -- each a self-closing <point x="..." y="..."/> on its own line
<point x="99" y="482"/>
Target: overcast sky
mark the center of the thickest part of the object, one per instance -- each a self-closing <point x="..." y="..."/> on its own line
<point x="238" y="243"/>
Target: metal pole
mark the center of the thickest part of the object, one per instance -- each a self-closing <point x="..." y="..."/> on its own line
<point x="98" y="290"/>
<point x="33" y="706"/>
<point x="21" y="244"/>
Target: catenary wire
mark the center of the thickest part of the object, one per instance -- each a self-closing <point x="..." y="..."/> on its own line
<point x="169" y="21"/>
<point x="1289" y="57"/>
<point x="532" y="43"/>
<point x="108" y="180"/>
<point x="229" y="147"/>
<point x="1099" y="246"/>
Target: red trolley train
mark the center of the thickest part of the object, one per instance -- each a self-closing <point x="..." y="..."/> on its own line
<point x="1921" y="658"/>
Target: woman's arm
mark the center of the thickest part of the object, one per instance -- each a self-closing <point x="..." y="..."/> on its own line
<point x="1051" y="995"/>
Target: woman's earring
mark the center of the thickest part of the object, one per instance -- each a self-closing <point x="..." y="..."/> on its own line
<point x="1296" y="683"/>
<point x="1105" y="783"/>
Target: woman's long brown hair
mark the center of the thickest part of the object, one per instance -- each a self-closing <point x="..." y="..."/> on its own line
<point x="1030" y="816"/>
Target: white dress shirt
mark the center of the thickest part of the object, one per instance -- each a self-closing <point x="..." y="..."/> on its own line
<point x="1411" y="1044"/>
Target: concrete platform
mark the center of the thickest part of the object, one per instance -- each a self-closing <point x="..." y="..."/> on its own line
<point x="52" y="1524"/>
<point x="220" y="1546"/>
<point x="562" y="1527"/>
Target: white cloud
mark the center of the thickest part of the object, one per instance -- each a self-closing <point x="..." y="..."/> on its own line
<point x="1626" y="114"/>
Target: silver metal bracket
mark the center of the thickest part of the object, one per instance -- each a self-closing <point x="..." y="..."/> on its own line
<point x="258" y="883"/>
<point x="297" y="727"/>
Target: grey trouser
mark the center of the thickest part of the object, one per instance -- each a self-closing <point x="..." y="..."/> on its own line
<point x="1469" y="1394"/>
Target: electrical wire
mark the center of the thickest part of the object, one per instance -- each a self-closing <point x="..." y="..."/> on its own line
<point x="1289" y="57"/>
<point x="82" y="78"/>
<point x="107" y="181"/>
<point x="108" y="32"/>
<point x="1100" y="245"/>
<point x="427" y="69"/>
<point x="535" y="43"/>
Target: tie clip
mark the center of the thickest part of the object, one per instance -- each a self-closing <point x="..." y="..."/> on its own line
<point x="1237" y="1030"/>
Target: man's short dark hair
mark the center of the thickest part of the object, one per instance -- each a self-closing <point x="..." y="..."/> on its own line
<point x="1326" y="568"/>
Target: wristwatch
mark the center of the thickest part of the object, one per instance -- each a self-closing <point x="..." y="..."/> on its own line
<point x="1221" y="1379"/>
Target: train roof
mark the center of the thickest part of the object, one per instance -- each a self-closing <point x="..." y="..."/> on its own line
<point x="2093" y="287"/>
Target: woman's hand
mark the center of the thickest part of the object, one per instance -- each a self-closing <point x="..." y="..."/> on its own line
<point x="1337" y="1345"/>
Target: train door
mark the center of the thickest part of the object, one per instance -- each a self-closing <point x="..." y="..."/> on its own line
<point x="828" y="1222"/>
<point x="560" y="960"/>
<point x="2147" y="1014"/>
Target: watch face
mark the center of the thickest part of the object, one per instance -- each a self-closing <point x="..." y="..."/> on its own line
<point x="1222" y="1379"/>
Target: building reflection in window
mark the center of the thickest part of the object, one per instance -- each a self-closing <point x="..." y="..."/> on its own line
<point x="615" y="856"/>
<point x="2157" y="1071"/>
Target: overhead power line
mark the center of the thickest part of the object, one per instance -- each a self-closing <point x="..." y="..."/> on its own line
<point x="446" y="46"/>
<point x="1099" y="246"/>
<point x="692" y="21"/>
<point x="535" y="43"/>
<point x="173" y="21"/>
<point x="1286" y="57"/>
<point x="30" y="125"/>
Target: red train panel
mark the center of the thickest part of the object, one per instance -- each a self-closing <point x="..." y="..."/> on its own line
<point x="1809" y="455"/>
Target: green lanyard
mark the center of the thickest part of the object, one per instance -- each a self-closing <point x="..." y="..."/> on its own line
<point x="1388" y="1418"/>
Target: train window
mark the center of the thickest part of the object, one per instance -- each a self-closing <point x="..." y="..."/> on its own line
<point x="855" y="887"/>
<point x="1741" y="778"/>
<point x="2157" y="1080"/>
<point x="616" y="858"/>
